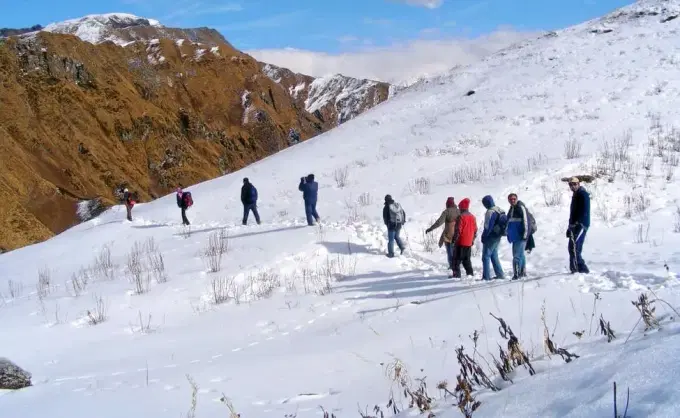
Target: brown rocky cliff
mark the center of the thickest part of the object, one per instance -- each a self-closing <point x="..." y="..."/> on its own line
<point x="79" y="120"/>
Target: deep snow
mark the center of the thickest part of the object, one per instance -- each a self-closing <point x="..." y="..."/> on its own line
<point x="302" y="347"/>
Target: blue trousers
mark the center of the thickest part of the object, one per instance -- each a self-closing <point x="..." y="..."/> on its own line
<point x="392" y="236"/>
<point x="490" y="258"/>
<point x="576" y="263"/>
<point x="449" y="253"/>
<point x="310" y="212"/>
<point x="246" y="211"/>
<point x="519" y="261"/>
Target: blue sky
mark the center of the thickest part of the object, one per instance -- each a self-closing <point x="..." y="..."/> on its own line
<point x="328" y="26"/>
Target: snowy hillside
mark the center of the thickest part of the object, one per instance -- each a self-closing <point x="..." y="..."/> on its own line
<point x="152" y="319"/>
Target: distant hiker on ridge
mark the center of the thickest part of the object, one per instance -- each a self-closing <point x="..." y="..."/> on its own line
<point x="448" y="218"/>
<point x="579" y="222"/>
<point x="310" y="192"/>
<point x="184" y="202"/>
<point x="394" y="218"/>
<point x="249" y="200"/>
<point x="520" y="229"/>
<point x="128" y="202"/>
<point x="464" y="236"/>
<point x="495" y="221"/>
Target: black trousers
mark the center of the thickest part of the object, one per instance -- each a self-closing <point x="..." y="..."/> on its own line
<point x="185" y="221"/>
<point x="462" y="255"/>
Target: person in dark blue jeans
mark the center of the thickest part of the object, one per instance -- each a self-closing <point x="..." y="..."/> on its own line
<point x="249" y="200"/>
<point x="310" y="193"/>
<point x="394" y="218"/>
<point x="494" y="227"/>
<point x="579" y="222"/>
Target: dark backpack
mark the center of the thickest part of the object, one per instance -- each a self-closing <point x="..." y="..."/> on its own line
<point x="188" y="200"/>
<point x="253" y="193"/>
<point x="501" y="223"/>
<point x="531" y="222"/>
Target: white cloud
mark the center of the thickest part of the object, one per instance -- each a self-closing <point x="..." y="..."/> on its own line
<point x="398" y="63"/>
<point x="430" y="4"/>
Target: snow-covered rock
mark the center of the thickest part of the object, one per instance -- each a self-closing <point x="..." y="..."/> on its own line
<point x="336" y="97"/>
<point x="13" y="377"/>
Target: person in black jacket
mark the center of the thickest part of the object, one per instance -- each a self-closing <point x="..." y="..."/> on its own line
<point x="249" y="200"/>
<point x="394" y="218"/>
<point x="579" y="222"/>
<point x="182" y="205"/>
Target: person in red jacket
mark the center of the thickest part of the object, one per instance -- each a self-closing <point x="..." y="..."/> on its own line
<point x="464" y="236"/>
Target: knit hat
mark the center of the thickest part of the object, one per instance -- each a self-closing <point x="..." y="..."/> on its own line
<point x="574" y="180"/>
<point x="464" y="204"/>
<point x="450" y="202"/>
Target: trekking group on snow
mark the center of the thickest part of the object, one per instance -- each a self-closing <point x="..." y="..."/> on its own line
<point x="518" y="225"/>
<point x="460" y="226"/>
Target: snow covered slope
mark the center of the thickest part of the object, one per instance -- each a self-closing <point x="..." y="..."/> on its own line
<point x="335" y="97"/>
<point x="298" y="316"/>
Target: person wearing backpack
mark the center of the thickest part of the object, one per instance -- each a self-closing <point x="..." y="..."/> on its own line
<point x="464" y="236"/>
<point x="394" y="218"/>
<point x="184" y="201"/>
<point x="310" y="192"/>
<point x="495" y="221"/>
<point x="579" y="222"/>
<point x="249" y="200"/>
<point x="520" y="228"/>
<point x="129" y="202"/>
<point x="448" y="218"/>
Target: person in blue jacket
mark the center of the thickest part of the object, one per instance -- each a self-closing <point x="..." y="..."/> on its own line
<point x="579" y="222"/>
<point x="495" y="221"/>
<point x="249" y="200"/>
<point x="310" y="192"/>
<point x="517" y="231"/>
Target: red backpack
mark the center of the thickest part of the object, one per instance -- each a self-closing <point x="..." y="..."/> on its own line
<point x="188" y="201"/>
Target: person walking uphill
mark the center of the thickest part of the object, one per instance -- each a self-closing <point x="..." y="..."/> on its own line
<point x="249" y="200"/>
<point x="184" y="202"/>
<point x="448" y="217"/>
<point x="579" y="222"/>
<point x="519" y="230"/>
<point x="495" y="222"/>
<point x="394" y="218"/>
<point x="310" y="192"/>
<point x="129" y="203"/>
<point x="464" y="236"/>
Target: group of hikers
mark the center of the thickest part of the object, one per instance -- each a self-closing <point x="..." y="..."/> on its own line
<point x="460" y="226"/>
<point x="518" y="225"/>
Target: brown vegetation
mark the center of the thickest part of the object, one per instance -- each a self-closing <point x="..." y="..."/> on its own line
<point x="79" y="121"/>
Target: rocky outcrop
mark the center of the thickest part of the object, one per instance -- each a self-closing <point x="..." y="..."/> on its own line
<point x="335" y="99"/>
<point x="123" y="28"/>
<point x="13" y="377"/>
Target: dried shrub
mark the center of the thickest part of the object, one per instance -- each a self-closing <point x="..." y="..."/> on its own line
<point x="606" y="329"/>
<point x="548" y="344"/>
<point x="572" y="148"/>
<point x="420" y="185"/>
<point x="136" y="271"/>
<point x="515" y="355"/>
<point x="552" y="196"/>
<point x="99" y="313"/>
<point x="341" y="176"/>
<point x="218" y="244"/>
<point x="429" y="241"/>
<point x="365" y="199"/>
<point x="646" y="309"/>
